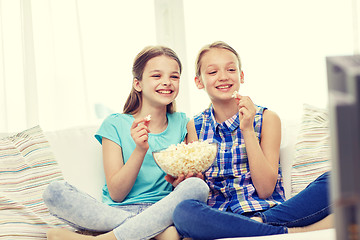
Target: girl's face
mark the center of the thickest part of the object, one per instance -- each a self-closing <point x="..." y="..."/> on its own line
<point x="220" y="74"/>
<point x="160" y="81"/>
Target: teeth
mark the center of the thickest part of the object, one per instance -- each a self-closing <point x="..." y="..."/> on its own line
<point x="222" y="87"/>
<point x="163" y="91"/>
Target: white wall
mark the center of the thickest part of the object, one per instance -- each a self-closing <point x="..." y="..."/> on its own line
<point x="282" y="45"/>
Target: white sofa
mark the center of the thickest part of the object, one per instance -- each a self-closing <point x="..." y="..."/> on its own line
<point x="79" y="156"/>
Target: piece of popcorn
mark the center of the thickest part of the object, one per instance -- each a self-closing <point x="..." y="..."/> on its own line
<point x="234" y="95"/>
<point x="148" y="117"/>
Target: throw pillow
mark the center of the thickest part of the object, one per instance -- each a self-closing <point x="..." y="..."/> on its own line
<point x="27" y="166"/>
<point x="312" y="149"/>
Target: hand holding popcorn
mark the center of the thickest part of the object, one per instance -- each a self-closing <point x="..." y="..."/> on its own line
<point x="247" y="111"/>
<point x="139" y="132"/>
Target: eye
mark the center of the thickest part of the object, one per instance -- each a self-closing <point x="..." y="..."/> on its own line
<point x="156" y="76"/>
<point x="232" y="69"/>
<point x="175" y="77"/>
<point x="212" y="72"/>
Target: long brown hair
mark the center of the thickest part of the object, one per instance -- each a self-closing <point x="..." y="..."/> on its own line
<point x="134" y="100"/>
<point x="206" y="48"/>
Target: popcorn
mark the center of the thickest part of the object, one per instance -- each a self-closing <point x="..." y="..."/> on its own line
<point x="194" y="157"/>
<point x="148" y="118"/>
<point x="234" y="95"/>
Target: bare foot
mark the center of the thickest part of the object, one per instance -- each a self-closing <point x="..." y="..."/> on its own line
<point x="327" y="222"/>
<point x="258" y="219"/>
<point x="61" y="233"/>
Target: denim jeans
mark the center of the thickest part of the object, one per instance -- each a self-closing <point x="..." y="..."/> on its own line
<point x="196" y="220"/>
<point x="135" y="221"/>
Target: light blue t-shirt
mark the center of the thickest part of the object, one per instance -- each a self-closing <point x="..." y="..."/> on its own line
<point x="150" y="185"/>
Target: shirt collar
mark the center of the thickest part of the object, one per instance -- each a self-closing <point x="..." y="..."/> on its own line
<point x="231" y="123"/>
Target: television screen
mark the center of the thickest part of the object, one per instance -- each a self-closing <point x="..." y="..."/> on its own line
<point x="343" y="74"/>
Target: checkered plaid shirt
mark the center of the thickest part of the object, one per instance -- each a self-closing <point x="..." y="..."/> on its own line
<point x="229" y="179"/>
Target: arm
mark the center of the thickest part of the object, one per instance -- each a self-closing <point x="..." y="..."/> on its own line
<point x="121" y="177"/>
<point x="191" y="132"/>
<point x="263" y="157"/>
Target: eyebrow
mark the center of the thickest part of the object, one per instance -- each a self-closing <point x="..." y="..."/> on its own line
<point x="157" y="71"/>
<point x="227" y="64"/>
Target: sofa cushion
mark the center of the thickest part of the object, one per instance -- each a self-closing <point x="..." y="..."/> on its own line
<point x="312" y="148"/>
<point x="27" y="166"/>
<point x="289" y="131"/>
<point x="79" y="156"/>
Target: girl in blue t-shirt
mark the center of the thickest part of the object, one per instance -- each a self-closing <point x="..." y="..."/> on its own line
<point x="137" y="200"/>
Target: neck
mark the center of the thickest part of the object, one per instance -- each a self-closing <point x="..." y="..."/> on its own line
<point x="223" y="110"/>
<point x="158" y="122"/>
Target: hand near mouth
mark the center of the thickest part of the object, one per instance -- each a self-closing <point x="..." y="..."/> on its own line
<point x="247" y="111"/>
<point x="139" y="132"/>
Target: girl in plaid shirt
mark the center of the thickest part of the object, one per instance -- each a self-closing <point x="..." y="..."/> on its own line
<point x="245" y="181"/>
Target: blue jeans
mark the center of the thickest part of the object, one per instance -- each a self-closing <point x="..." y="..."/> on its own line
<point x="196" y="220"/>
<point x="135" y="221"/>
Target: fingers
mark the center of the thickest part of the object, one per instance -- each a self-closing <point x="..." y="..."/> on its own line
<point x="247" y="111"/>
<point x="138" y="122"/>
<point x="244" y="112"/>
<point x="175" y="181"/>
<point x="246" y="107"/>
<point x="200" y="175"/>
<point x="178" y="180"/>
<point x="170" y="179"/>
<point x="139" y="131"/>
<point x="245" y="101"/>
<point x="189" y="175"/>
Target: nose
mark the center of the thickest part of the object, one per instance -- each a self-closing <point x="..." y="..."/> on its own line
<point x="223" y="75"/>
<point x="165" y="81"/>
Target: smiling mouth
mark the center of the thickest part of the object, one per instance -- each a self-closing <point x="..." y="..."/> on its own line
<point x="224" y="86"/>
<point x="165" y="91"/>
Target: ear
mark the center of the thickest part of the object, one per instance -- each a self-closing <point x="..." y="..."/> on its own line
<point x="136" y="85"/>
<point x="199" y="83"/>
<point x="242" y="77"/>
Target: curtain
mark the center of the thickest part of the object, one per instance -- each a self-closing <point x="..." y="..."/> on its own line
<point x="67" y="63"/>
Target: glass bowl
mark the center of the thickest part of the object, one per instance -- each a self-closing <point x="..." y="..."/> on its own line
<point x="195" y="157"/>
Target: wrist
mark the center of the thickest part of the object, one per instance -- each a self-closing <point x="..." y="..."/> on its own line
<point x="140" y="150"/>
<point x="248" y="132"/>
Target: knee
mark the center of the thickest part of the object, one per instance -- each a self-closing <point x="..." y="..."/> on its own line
<point x="53" y="193"/>
<point x="184" y="214"/>
<point x="325" y="177"/>
<point x="323" y="181"/>
<point x="197" y="187"/>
